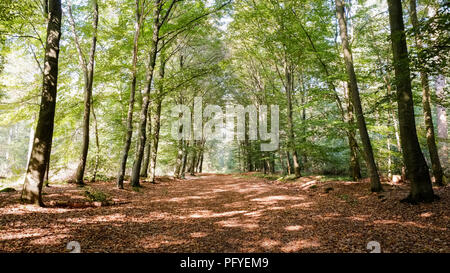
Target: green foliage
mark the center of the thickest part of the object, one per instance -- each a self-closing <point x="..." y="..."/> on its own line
<point x="95" y="195"/>
<point x="287" y="178"/>
<point x="8" y="189"/>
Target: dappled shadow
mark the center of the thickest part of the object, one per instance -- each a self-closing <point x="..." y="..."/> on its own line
<point x="223" y="213"/>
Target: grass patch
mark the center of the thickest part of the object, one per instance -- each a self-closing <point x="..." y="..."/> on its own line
<point x="95" y="195"/>
<point x="260" y="175"/>
<point x="266" y="176"/>
<point x="327" y="178"/>
<point x="287" y="178"/>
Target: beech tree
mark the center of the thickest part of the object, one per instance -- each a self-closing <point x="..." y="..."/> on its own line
<point x="87" y="67"/>
<point x="426" y="97"/>
<point x="140" y="13"/>
<point x="356" y="101"/>
<point x="34" y="178"/>
<point x="416" y="166"/>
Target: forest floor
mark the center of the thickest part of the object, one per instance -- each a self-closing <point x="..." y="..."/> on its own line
<point x="227" y="213"/>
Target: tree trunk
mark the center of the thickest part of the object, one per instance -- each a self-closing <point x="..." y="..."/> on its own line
<point x="375" y="184"/>
<point x="148" y="146"/>
<point x="355" y="169"/>
<point x="142" y="138"/>
<point x="428" y="116"/>
<point x="288" y="162"/>
<point x="283" y="166"/>
<point x="179" y="160"/>
<point x="88" y="73"/>
<point x="289" y="88"/>
<point x="200" y="165"/>
<point x="157" y="122"/>
<point x="442" y="127"/>
<point x="97" y="143"/>
<point x="416" y="166"/>
<point x="193" y="159"/>
<point x="303" y="101"/>
<point x="185" y="155"/>
<point x="129" y="134"/>
<point x="34" y="178"/>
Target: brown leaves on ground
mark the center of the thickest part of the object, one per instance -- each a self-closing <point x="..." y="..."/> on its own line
<point x="225" y="213"/>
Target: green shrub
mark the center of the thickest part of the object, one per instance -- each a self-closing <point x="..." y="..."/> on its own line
<point x="287" y="178"/>
<point x="8" y="190"/>
<point x="95" y="195"/>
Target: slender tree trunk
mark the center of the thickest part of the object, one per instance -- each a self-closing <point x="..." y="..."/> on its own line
<point x="179" y="160"/>
<point x="123" y="161"/>
<point x="193" y="160"/>
<point x="248" y="155"/>
<point x="442" y="127"/>
<point x="157" y="122"/>
<point x="355" y="169"/>
<point x="200" y="157"/>
<point x="375" y="184"/>
<point x="88" y="72"/>
<point x="148" y="146"/>
<point x="97" y="143"/>
<point x="185" y="155"/>
<point x="200" y="166"/>
<point x="288" y="162"/>
<point x="291" y="137"/>
<point x="142" y="138"/>
<point x="428" y="116"/>
<point x="283" y="166"/>
<point x="416" y="166"/>
<point x="34" y="178"/>
<point x="303" y="102"/>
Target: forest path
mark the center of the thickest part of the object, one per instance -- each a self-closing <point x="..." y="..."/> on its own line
<point x="228" y="213"/>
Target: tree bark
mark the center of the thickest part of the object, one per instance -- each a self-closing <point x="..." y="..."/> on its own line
<point x="179" y="160"/>
<point x="375" y="184"/>
<point x="428" y="116"/>
<point x="142" y="138"/>
<point x="157" y="122"/>
<point x="416" y="166"/>
<point x="123" y="161"/>
<point x="88" y="73"/>
<point x="354" y="168"/>
<point x="148" y="146"/>
<point x="97" y="143"/>
<point x="185" y="155"/>
<point x="39" y="158"/>
<point x="288" y="162"/>
<point x="289" y="88"/>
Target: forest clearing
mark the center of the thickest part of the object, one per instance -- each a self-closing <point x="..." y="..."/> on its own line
<point x="224" y="126"/>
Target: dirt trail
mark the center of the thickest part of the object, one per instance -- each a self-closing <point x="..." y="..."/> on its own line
<point x="228" y="213"/>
